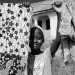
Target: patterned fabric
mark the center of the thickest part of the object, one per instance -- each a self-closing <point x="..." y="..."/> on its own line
<point x="14" y="37"/>
<point x="65" y="25"/>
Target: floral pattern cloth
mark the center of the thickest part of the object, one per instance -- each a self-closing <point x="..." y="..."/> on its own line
<point x="14" y="37"/>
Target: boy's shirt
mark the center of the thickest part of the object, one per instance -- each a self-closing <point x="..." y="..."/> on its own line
<point x="42" y="63"/>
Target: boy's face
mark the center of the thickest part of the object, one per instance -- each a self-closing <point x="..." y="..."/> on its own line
<point x="37" y="39"/>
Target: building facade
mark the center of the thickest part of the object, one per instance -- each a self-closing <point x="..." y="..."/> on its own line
<point x="45" y="17"/>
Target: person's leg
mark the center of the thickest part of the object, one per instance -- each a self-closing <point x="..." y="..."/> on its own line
<point x="65" y="47"/>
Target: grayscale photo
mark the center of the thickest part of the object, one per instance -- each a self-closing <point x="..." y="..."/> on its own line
<point x="37" y="37"/>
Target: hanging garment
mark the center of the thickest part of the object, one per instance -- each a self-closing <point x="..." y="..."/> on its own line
<point x="67" y="23"/>
<point x="14" y="37"/>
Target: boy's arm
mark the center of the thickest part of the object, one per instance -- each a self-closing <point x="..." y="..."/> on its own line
<point x="55" y="45"/>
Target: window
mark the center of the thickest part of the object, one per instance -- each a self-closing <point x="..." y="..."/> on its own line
<point x="40" y="23"/>
<point x="47" y="24"/>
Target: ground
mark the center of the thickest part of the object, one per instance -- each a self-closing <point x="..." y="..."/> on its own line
<point x="61" y="68"/>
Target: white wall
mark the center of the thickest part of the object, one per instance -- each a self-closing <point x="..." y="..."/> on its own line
<point x="53" y="24"/>
<point x="51" y="34"/>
